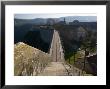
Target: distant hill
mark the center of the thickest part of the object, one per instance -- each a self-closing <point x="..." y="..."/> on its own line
<point x="80" y="18"/>
<point x="37" y="21"/>
<point x="42" y="21"/>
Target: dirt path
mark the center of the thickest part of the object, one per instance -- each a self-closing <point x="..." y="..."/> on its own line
<point x="57" y="67"/>
<point x="54" y="69"/>
<point x="56" y="47"/>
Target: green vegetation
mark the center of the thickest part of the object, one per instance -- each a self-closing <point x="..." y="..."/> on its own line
<point x="87" y="45"/>
<point x="71" y="58"/>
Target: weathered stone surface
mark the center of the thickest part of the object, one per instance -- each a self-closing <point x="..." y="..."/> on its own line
<point x="29" y="60"/>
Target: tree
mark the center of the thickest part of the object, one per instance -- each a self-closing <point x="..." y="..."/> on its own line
<point x="89" y="44"/>
<point x="85" y="46"/>
<point x="74" y="53"/>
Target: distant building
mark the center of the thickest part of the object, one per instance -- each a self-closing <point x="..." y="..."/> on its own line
<point x="75" y="22"/>
<point x="62" y="22"/>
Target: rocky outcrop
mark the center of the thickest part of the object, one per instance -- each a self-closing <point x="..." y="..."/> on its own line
<point x="29" y="60"/>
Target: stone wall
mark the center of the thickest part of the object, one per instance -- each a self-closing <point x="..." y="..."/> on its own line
<point x="29" y="61"/>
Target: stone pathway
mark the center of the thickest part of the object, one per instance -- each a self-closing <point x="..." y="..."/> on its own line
<point x="54" y="69"/>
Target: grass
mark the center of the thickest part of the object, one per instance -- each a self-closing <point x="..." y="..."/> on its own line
<point x="29" y="59"/>
<point x="70" y="59"/>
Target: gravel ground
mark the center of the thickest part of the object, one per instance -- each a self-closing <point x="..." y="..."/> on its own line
<point x="54" y="69"/>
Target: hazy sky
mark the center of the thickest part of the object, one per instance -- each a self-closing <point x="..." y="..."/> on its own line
<point x="32" y="16"/>
<point x="88" y="17"/>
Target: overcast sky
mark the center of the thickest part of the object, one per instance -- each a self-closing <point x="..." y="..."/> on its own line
<point x="32" y="16"/>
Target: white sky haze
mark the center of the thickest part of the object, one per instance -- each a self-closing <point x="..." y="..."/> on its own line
<point x="90" y="17"/>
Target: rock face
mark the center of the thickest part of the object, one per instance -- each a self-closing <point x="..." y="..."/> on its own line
<point x="29" y="60"/>
<point x="33" y="35"/>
